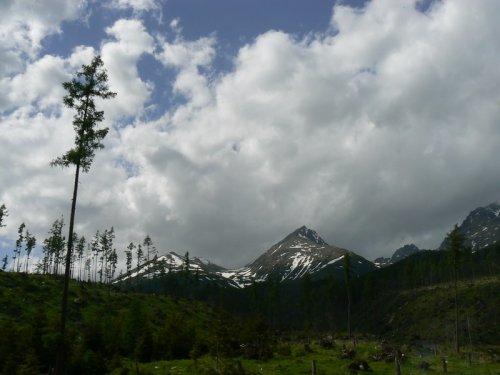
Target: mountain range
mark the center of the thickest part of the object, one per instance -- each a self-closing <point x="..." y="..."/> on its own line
<point x="301" y="252"/>
<point x="304" y="252"/>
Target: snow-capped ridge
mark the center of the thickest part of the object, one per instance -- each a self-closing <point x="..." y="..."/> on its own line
<point x="301" y="252"/>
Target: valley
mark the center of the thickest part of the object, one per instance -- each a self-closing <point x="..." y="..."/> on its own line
<point x="287" y="309"/>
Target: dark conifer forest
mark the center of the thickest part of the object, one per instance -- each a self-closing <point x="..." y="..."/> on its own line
<point x="121" y="327"/>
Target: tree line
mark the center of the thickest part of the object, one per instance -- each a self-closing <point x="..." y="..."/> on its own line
<point x="94" y="260"/>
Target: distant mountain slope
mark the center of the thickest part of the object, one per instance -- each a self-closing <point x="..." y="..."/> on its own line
<point x="175" y="263"/>
<point x="481" y="227"/>
<point x="399" y="254"/>
<point x="301" y="252"/>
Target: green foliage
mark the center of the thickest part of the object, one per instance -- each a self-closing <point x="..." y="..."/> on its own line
<point x="90" y="83"/>
<point x="178" y="337"/>
<point x="110" y="330"/>
<point x="3" y="214"/>
<point x="53" y="248"/>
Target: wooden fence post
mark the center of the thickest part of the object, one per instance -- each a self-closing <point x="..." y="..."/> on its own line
<point x="313" y="367"/>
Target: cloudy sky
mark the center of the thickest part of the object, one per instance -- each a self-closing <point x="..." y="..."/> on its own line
<point x="236" y="122"/>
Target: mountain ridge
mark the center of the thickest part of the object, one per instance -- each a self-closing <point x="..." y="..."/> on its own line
<point x="480" y="228"/>
<point x="301" y="252"/>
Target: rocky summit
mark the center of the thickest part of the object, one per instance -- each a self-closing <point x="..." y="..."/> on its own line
<point x="399" y="254"/>
<point x="480" y="228"/>
<point x="301" y="252"/>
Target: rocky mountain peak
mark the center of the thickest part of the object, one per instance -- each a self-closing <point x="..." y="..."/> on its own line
<point x="301" y="252"/>
<point x="400" y="254"/>
<point x="480" y="228"/>
<point x="309" y="234"/>
<point x="404" y="252"/>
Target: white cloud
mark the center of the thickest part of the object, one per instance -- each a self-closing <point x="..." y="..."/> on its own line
<point x="24" y="24"/>
<point x="188" y="57"/>
<point x="380" y="133"/>
<point x="39" y="83"/>
<point x="121" y="57"/>
<point x="355" y="133"/>
<point x="81" y="55"/>
<point x="137" y="5"/>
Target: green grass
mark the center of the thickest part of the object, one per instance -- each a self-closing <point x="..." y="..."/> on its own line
<point x="328" y="362"/>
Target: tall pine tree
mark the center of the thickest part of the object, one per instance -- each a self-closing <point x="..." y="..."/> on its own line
<point x="455" y="247"/>
<point x="90" y="83"/>
<point x="347" y="278"/>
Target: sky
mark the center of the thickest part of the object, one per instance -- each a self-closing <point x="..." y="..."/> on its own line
<point x="376" y="123"/>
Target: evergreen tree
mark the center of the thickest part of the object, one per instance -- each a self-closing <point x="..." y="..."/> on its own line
<point x="455" y="246"/>
<point x="30" y="245"/>
<point x="95" y="249"/>
<point x="73" y="255"/>
<point x="89" y="84"/>
<point x="53" y="248"/>
<point x="3" y="214"/>
<point x="128" y="258"/>
<point x="307" y="301"/>
<point x="347" y="278"/>
<point x="80" y="249"/>
<point x="113" y="260"/>
<point x="106" y="250"/>
<point x="19" y="246"/>
<point x="186" y="266"/>
<point x="5" y="261"/>
<point x="148" y="243"/>
<point x="140" y="255"/>
<point x="87" y="268"/>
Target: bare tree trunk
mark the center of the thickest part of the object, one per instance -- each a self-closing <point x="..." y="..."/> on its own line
<point x="457" y="345"/>
<point x="61" y="354"/>
<point x="397" y="363"/>
<point x="349" y="313"/>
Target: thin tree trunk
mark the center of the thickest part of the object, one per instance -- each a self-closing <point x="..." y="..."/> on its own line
<point x="457" y="345"/>
<point x="397" y="362"/>
<point x="60" y="361"/>
<point x="349" y="313"/>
